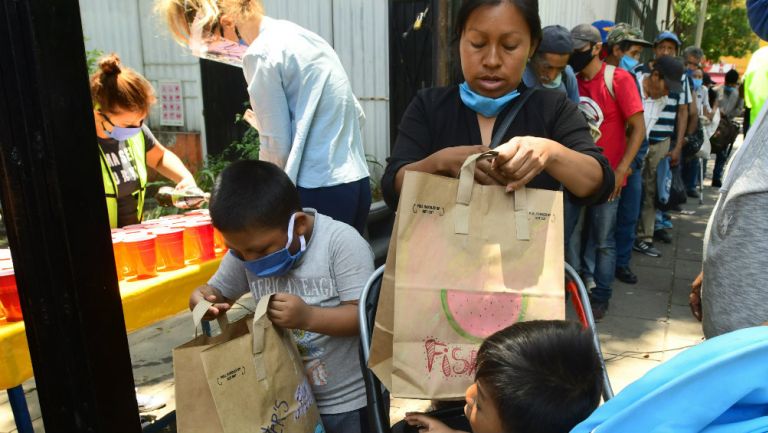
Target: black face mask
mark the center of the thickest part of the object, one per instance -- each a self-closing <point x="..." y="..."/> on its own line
<point x="580" y="59"/>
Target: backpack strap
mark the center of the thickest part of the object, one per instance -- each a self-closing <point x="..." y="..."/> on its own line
<point x="507" y="122"/>
<point x="610" y="70"/>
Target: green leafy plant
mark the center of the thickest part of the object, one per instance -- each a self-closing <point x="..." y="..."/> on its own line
<point x="247" y="147"/>
<point x="377" y="171"/>
<point x="726" y="28"/>
<point x="92" y="59"/>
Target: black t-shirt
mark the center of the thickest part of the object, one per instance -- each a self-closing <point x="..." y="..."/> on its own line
<point x="126" y="176"/>
<point x="437" y="119"/>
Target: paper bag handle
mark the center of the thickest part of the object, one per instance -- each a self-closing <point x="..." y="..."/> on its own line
<point x="199" y="311"/>
<point x="260" y="324"/>
<point x="464" y="197"/>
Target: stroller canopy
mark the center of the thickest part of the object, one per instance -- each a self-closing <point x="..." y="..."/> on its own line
<point x="718" y="386"/>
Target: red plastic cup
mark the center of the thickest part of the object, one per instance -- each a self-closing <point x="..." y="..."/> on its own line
<point x="118" y="249"/>
<point x="141" y="254"/>
<point x="198" y="241"/>
<point x="9" y="296"/>
<point x="170" y="248"/>
<point x="218" y="243"/>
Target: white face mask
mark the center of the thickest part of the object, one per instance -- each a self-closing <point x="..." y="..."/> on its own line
<point x="205" y="45"/>
<point x="554" y="84"/>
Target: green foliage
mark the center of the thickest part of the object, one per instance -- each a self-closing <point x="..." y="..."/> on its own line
<point x="726" y="29"/>
<point x="245" y="148"/>
<point x="92" y="58"/>
<point x="377" y="170"/>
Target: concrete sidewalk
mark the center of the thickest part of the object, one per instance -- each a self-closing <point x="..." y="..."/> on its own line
<point x="646" y="324"/>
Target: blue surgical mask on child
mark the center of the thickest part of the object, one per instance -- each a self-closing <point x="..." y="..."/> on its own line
<point x="628" y="63"/>
<point x="279" y="262"/>
<point x="488" y="107"/>
<point x="554" y="84"/>
<point x="697" y="83"/>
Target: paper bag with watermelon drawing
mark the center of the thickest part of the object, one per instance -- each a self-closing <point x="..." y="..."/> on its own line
<point x="470" y="260"/>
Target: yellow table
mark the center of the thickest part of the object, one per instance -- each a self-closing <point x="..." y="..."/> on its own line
<point x="144" y="302"/>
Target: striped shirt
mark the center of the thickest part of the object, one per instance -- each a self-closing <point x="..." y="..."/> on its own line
<point x="667" y="121"/>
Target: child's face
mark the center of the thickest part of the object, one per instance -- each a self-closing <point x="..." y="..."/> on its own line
<point x="481" y="410"/>
<point x="257" y="242"/>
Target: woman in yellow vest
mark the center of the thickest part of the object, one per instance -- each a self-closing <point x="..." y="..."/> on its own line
<point x="122" y="99"/>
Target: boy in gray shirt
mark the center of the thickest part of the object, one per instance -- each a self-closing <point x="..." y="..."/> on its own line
<point x="315" y="266"/>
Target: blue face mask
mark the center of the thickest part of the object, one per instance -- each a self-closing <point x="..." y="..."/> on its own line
<point x="697" y="83"/>
<point x="628" y="63"/>
<point x="122" y="134"/>
<point x="554" y="84"/>
<point x="488" y="107"/>
<point x="119" y="133"/>
<point x="279" y="262"/>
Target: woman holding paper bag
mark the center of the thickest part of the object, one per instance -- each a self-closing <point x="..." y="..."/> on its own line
<point x="547" y="145"/>
<point x="308" y="118"/>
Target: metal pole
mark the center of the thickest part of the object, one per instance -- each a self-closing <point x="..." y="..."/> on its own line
<point x="443" y="42"/>
<point x="52" y="196"/>
<point x="700" y="23"/>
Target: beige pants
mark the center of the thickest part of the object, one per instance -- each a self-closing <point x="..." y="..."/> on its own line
<point x="647" y="220"/>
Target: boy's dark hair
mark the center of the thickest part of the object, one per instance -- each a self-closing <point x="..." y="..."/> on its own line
<point x="250" y="194"/>
<point x="545" y="376"/>
<point x="732" y="77"/>
<point x="528" y="8"/>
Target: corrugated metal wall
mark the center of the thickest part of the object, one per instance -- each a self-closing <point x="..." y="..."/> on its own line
<point x="359" y="32"/>
<point x="130" y="28"/>
<point x="569" y="13"/>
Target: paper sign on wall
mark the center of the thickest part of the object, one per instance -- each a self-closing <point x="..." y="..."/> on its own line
<point x="171" y="103"/>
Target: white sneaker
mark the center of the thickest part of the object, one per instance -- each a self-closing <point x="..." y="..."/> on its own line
<point x="148" y="403"/>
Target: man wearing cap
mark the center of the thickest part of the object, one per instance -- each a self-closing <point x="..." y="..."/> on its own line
<point x="672" y="127"/>
<point x="609" y="95"/>
<point x="549" y="65"/>
<point x="664" y="79"/>
<point x="624" y="45"/>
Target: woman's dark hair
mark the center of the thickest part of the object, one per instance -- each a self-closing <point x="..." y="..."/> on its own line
<point x="253" y="194"/>
<point x="528" y="8"/>
<point x="545" y="376"/>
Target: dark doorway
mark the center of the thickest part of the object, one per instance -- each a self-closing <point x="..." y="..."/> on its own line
<point x="224" y="96"/>
<point x="410" y="55"/>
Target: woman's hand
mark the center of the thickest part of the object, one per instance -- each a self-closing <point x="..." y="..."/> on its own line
<point x="523" y="158"/>
<point x="427" y="424"/>
<point x="186" y="183"/>
<point x="694" y="299"/>
<point x="448" y="161"/>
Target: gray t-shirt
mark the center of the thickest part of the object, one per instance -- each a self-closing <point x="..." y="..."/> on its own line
<point x="735" y="291"/>
<point x="334" y="268"/>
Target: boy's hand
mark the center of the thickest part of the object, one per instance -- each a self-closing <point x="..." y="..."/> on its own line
<point x="211" y="294"/>
<point x="427" y="424"/>
<point x="289" y="311"/>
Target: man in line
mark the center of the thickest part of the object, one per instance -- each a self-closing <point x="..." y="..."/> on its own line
<point x="549" y="65"/>
<point x="624" y="46"/>
<point x="671" y="125"/>
<point x="610" y="96"/>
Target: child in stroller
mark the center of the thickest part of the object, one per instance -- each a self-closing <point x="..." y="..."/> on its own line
<point x="538" y="376"/>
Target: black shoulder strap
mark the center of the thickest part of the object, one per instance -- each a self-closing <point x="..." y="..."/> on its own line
<point x="507" y="122"/>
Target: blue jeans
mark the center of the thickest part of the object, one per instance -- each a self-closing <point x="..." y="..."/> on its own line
<point x="349" y="202"/>
<point x="355" y="421"/>
<point x="691" y="173"/>
<point x="600" y="226"/>
<point x="627" y="216"/>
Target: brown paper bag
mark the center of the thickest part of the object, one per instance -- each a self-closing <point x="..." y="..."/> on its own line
<point x="195" y="408"/>
<point x="380" y="358"/>
<point x="470" y="260"/>
<point x="258" y="383"/>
